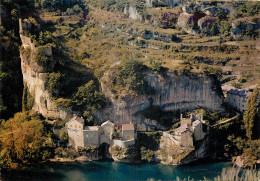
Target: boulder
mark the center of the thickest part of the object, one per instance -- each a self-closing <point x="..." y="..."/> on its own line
<point x="203" y="22"/>
<point x="185" y="20"/>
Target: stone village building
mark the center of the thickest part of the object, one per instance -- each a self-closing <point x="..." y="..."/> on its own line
<point x="81" y="135"/>
<point x="191" y="129"/>
<point x="236" y="98"/>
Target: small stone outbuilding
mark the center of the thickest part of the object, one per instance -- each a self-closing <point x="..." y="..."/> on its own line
<point x="128" y="131"/>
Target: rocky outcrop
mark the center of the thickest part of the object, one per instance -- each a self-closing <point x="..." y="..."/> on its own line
<point x="205" y="21"/>
<point x="172" y="92"/>
<point x="34" y="78"/>
<point x="171" y="153"/>
<point x="187" y="21"/>
<point x="168" y="20"/>
<point x="132" y="12"/>
<point x="241" y="24"/>
<point x="124" y="155"/>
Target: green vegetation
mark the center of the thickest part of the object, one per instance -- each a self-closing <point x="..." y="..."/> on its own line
<point x="246" y="9"/>
<point x="88" y="98"/>
<point x="250" y="115"/>
<point x="239" y="136"/>
<point x="24" y="139"/>
<point x="54" y="82"/>
<point x="131" y="76"/>
<point x="148" y="143"/>
<point x="28" y="100"/>
<point x="42" y="59"/>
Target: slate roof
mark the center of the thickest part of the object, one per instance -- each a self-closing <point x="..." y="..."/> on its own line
<point x="127" y="127"/>
<point x="239" y="92"/>
<point x="235" y="91"/>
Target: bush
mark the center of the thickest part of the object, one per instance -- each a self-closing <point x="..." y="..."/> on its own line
<point x="41" y="58"/>
<point x="24" y="139"/>
<point x="54" y="82"/>
<point x="215" y="71"/>
<point x="64" y="103"/>
<point x="130" y="75"/>
<point x="174" y="37"/>
<point x="88" y="97"/>
<point x="225" y="27"/>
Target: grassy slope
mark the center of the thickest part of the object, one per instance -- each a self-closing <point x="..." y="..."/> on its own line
<point x="107" y="44"/>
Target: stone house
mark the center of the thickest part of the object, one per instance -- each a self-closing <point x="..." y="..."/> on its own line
<point x="106" y="135"/>
<point x="128" y="131"/>
<point x="199" y="130"/>
<point x="75" y="131"/>
<point x="191" y="129"/>
<point x="183" y="135"/>
<point x="236" y="98"/>
<point x="81" y="136"/>
<point x="91" y="135"/>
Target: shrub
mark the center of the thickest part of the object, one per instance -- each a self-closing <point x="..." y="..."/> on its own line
<point x="130" y="75"/>
<point x="30" y="141"/>
<point x="210" y="70"/>
<point x="174" y="37"/>
<point x="54" y="82"/>
<point x="41" y="58"/>
<point x="64" y="103"/>
<point x="225" y="27"/>
<point x="88" y="97"/>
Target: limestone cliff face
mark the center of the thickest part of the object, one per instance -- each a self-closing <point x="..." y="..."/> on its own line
<point x="124" y="155"/>
<point x="172" y="154"/>
<point x="132" y="12"/>
<point x="171" y="93"/>
<point x="34" y="79"/>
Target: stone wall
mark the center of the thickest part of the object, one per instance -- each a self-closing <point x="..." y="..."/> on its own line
<point x="91" y="137"/>
<point x="123" y="144"/>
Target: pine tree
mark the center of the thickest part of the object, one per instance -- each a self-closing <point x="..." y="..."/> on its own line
<point x="41" y="38"/>
<point x="250" y="113"/>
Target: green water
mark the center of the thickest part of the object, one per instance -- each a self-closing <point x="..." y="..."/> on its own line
<point x="83" y="171"/>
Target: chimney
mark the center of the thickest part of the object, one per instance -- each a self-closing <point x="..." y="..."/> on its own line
<point x="181" y="116"/>
<point x="191" y="117"/>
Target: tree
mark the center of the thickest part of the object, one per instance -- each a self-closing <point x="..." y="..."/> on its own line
<point x="54" y="82"/>
<point x="250" y="113"/>
<point x="24" y="139"/>
<point x="214" y="30"/>
<point x="88" y="97"/>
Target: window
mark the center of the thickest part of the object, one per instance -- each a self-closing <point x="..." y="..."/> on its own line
<point x="79" y="126"/>
<point x="71" y="125"/>
<point x="75" y="126"/>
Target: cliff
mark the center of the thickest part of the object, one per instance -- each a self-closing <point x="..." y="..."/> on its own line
<point x="34" y="78"/>
<point x="124" y="155"/>
<point x="132" y="12"/>
<point x="172" y="92"/>
<point x="172" y="154"/>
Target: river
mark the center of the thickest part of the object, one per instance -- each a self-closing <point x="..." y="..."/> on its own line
<point x="98" y="170"/>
